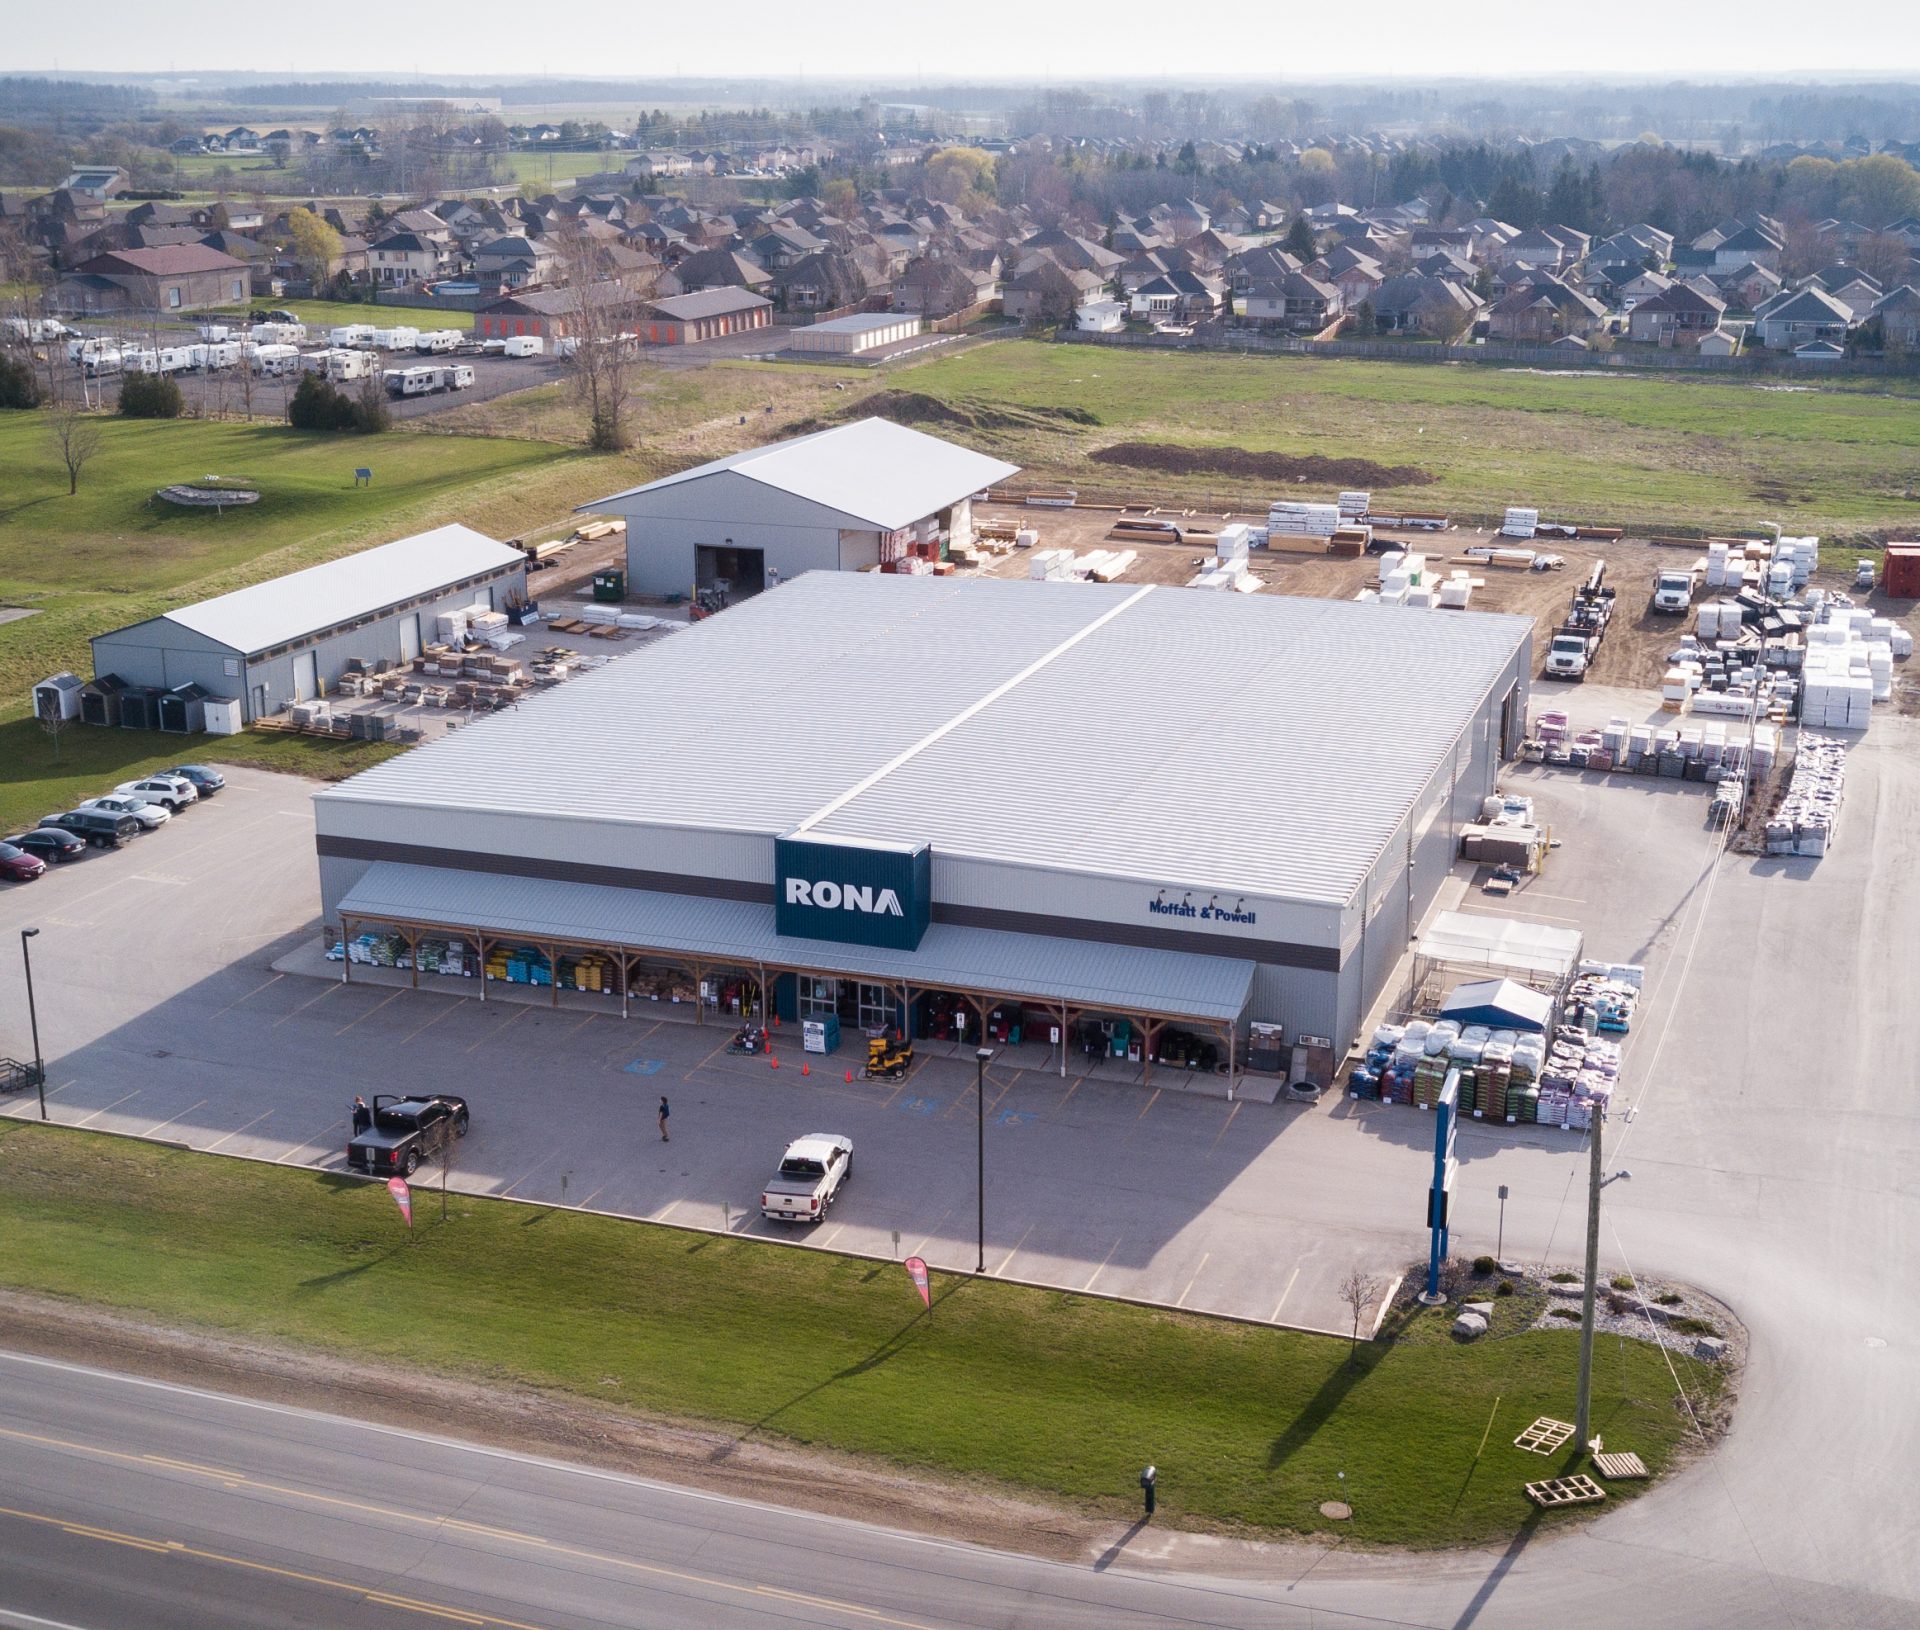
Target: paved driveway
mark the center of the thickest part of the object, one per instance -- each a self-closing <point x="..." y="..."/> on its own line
<point x="1772" y="1145"/>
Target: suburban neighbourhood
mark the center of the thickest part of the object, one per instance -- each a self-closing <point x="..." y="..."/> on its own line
<point x="957" y="853"/>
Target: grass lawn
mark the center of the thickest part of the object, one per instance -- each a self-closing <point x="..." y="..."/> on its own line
<point x="1041" y="1391"/>
<point x="110" y="555"/>
<point x="325" y="314"/>
<point x="1643" y="452"/>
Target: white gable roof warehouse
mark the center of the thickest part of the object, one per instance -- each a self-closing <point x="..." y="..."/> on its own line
<point x="1049" y="785"/>
<point x="289" y="639"/>
<point x="852" y="498"/>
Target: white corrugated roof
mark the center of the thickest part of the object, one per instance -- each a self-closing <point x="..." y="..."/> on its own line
<point x="286" y="608"/>
<point x="1262" y="743"/>
<point x="874" y="470"/>
<point x="1472" y="940"/>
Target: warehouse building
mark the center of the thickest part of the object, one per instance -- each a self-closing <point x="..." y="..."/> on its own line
<point x="290" y="639"/>
<point x="849" y="499"/>
<point x="1132" y="817"/>
<point x="851" y="336"/>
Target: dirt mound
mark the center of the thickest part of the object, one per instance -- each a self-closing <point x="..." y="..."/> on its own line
<point x="1238" y="461"/>
<point x="916" y="407"/>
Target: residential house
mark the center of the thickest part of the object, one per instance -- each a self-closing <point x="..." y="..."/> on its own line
<point x="940" y="287"/>
<point x="1179" y="292"/>
<point x="514" y="263"/>
<point x="1041" y="290"/>
<point x="1412" y="304"/>
<point x="1675" y="317"/>
<point x="720" y="269"/>
<point x="823" y="281"/>
<point x="182" y="277"/>
<point x="96" y="181"/>
<point x="1897" y="316"/>
<point x="1297" y="302"/>
<point x="400" y="258"/>
<point x="1641" y="285"/>
<point x="1537" y="313"/>
<point x="1751" y="243"/>
<point x="1795" y="318"/>
<point x="1749" y="286"/>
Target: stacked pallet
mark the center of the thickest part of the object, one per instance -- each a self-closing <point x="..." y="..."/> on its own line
<point x="1807" y="817"/>
<point x="1520" y="522"/>
<point x="1289" y="518"/>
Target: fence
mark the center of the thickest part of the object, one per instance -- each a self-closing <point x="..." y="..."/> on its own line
<point x="1752" y="364"/>
<point x="431" y="302"/>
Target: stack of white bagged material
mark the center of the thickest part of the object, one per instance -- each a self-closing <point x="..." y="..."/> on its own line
<point x="1302" y="520"/>
<point x="1520" y="523"/>
<point x="1801" y="556"/>
<point x="1805" y="821"/>
<point x="1354" y="505"/>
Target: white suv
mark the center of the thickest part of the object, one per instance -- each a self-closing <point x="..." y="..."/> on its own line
<point x="172" y="792"/>
<point x="148" y="815"/>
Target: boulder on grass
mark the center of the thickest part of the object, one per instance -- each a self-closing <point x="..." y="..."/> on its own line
<point x="1469" y="1325"/>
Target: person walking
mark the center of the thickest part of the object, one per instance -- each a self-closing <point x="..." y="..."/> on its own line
<point x="663" y="1119"/>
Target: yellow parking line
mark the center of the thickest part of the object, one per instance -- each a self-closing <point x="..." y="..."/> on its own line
<point x="377" y="1006"/>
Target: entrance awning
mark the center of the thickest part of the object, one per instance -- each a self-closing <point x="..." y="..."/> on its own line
<point x="1502" y="944"/>
<point x="985" y="961"/>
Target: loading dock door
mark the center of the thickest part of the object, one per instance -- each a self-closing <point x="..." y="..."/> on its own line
<point x="742" y="571"/>
<point x="306" y="676"/>
<point x="410" y="637"/>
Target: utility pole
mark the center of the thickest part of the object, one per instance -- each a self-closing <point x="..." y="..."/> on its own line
<point x="1584" y="1409"/>
<point x="980" y="1058"/>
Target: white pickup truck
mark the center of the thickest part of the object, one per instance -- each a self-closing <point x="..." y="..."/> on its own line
<point x="812" y="1172"/>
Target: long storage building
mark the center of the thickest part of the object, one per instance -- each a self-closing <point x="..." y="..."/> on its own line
<point x="290" y="638"/>
<point x="988" y="806"/>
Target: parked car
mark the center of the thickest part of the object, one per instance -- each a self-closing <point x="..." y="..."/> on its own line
<point x="100" y="827"/>
<point x="171" y="792"/>
<point x="148" y="815"/>
<point x="17" y="866"/>
<point x="206" y="780"/>
<point x="812" y="1172"/>
<point x="405" y="1131"/>
<point x="51" y="844"/>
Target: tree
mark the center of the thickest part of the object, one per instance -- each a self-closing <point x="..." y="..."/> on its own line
<point x="371" y="415"/>
<point x="317" y="405"/>
<point x="315" y="243"/>
<point x="18" y="387"/>
<point x="150" y="396"/>
<point x="1299" y="241"/>
<point x="955" y="172"/>
<point x="599" y="301"/>
<point x="75" y="435"/>
<point x="1358" y="1291"/>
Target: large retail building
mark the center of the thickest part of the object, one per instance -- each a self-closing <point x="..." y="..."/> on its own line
<point x="950" y="804"/>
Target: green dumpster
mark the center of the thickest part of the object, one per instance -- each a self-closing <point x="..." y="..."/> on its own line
<point x="610" y="586"/>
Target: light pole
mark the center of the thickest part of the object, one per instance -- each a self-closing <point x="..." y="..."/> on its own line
<point x="1583" y="1412"/>
<point x="1500" y="1239"/>
<point x="33" y="1019"/>
<point x="980" y="1057"/>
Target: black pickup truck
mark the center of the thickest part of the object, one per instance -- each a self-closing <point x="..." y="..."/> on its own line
<point x="406" y="1131"/>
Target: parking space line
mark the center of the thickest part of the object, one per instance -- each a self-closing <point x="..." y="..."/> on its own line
<point x="1067" y="1099"/>
<point x="831" y="1235"/>
<point x="587" y="1203"/>
<point x="1194" y="1280"/>
<point x="927" y="1239"/>
<point x="172" y="1118"/>
<point x="1285" y="1294"/>
<point x="1014" y="1252"/>
<point x="489" y="1036"/>
<point x="665" y="1212"/>
<point x="1097" y="1272"/>
<point x="237" y="1131"/>
<point x="101" y="1111"/>
<point x="444" y="1009"/>
<point x="320" y="1138"/>
<point x="1149" y="1104"/>
<point x="330" y="990"/>
<point x="377" y="1006"/>
<point x="257" y="989"/>
<point x="503" y="1193"/>
<point x="1238" y="1105"/>
<point x="584" y="1022"/>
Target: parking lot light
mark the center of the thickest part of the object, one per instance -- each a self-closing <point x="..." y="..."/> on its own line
<point x="980" y="1058"/>
<point x="33" y="1019"/>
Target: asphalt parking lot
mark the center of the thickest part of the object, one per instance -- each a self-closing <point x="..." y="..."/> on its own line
<point x="1772" y="1131"/>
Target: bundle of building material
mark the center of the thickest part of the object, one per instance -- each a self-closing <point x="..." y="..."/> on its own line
<point x="1302" y="520"/>
<point x="1354" y="538"/>
<point x="640" y="620"/>
<point x="1225" y="574"/>
<point x="1404" y="561"/>
<point x="1805" y="821"/>
<point x="1050" y="565"/>
<point x="1354" y="505"/>
<point x="1582" y="1069"/>
<point x="1841" y="677"/>
<point x="1708" y="752"/>
<point x="1234" y="541"/>
<point x="1520" y="522"/>
<point x="1605" y="993"/>
<point x="1492" y="555"/>
<point x="1105" y="565"/>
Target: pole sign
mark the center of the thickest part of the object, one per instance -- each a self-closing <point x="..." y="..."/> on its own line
<point x="1445" y="1125"/>
<point x="917" y="1272"/>
<point x="402" y="1197"/>
<point x="853" y="891"/>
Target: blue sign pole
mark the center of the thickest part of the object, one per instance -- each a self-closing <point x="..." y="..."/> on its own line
<point x="1444" y="1166"/>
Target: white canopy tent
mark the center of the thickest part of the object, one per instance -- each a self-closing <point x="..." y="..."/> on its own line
<point x="1533" y="953"/>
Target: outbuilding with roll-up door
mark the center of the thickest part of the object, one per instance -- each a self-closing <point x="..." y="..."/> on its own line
<point x="1083" y="814"/>
<point x="290" y="639"/>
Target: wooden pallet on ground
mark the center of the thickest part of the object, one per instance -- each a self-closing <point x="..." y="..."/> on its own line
<point x="1559" y="1491"/>
<point x="1620" y="1467"/>
<point x="1544" y="1436"/>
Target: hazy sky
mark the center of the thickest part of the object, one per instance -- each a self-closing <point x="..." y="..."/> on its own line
<point x="1025" y="38"/>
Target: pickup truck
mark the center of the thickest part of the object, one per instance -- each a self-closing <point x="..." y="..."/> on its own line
<point x="812" y="1172"/>
<point x="1673" y="590"/>
<point x="405" y="1131"/>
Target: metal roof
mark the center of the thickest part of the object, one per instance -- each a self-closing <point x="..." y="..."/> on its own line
<point x="1472" y="940"/>
<point x="874" y="470"/>
<point x="1113" y="978"/>
<point x="710" y="303"/>
<point x="1263" y="743"/>
<point x="301" y="603"/>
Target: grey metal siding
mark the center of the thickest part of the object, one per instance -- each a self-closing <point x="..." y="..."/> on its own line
<point x="146" y="653"/>
<point x="665" y="527"/>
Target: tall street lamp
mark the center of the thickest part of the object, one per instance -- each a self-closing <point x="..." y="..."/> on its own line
<point x="980" y="1058"/>
<point x="1583" y="1409"/>
<point x="33" y="1019"/>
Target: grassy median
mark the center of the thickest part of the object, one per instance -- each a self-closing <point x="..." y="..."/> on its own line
<point x="1046" y="1392"/>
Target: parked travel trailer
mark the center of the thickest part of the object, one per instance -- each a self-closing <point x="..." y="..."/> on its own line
<point x="525" y="345"/>
<point x="101" y="359"/>
<point x="279" y="333"/>
<point x="439" y="339"/>
<point x="352" y="334"/>
<point x="420" y="381"/>
<point x="272" y="361"/>
<point x="140" y="362"/>
<point x="174" y="359"/>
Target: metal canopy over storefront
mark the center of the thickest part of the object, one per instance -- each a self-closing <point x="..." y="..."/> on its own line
<point x="1074" y="975"/>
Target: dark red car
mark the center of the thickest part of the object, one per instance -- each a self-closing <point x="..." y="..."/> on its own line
<point x="17" y="866"/>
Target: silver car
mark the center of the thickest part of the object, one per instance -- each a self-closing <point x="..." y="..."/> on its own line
<point x="148" y="815"/>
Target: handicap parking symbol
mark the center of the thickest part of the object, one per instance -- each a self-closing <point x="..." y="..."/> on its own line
<point x="1017" y="1117"/>
<point x="646" y="1066"/>
<point x="920" y="1106"/>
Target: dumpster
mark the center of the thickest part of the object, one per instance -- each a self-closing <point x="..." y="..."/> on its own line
<point x="610" y="586"/>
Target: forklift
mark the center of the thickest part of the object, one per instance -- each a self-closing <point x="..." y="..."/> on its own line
<point x="888" y="1059"/>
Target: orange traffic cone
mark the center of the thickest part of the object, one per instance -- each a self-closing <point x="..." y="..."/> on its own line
<point x="849" y="1078"/>
<point x="772" y="1062"/>
<point x="806" y="1069"/>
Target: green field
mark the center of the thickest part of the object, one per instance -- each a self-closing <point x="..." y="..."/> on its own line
<point x="111" y="554"/>
<point x="1040" y="1391"/>
<point x="337" y="313"/>
<point x="1650" y="453"/>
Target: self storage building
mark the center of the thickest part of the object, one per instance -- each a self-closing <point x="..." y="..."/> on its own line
<point x="862" y="495"/>
<point x="1108" y="814"/>
<point x="289" y="639"/>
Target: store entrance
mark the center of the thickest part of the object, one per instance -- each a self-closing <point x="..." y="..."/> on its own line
<point x="739" y="573"/>
<point x="870" y="1009"/>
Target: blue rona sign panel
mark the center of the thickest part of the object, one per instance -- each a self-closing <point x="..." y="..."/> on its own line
<point x="854" y="890"/>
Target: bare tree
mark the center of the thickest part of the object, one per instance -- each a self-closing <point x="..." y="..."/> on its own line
<point x="73" y="430"/>
<point x="52" y="720"/>
<point x="599" y="316"/>
<point x="1358" y="1291"/>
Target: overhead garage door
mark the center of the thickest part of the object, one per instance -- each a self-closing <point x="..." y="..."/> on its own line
<point x="410" y="637"/>
<point x="306" y="675"/>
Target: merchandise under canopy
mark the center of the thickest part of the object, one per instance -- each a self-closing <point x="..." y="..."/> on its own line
<point x="1081" y="973"/>
<point x="1500" y="1004"/>
<point x="1501" y="943"/>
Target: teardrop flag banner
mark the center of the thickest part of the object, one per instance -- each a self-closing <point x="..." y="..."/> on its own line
<point x="917" y="1271"/>
<point x="402" y="1197"/>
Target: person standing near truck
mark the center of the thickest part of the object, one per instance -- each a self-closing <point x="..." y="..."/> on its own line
<point x="362" y="1116"/>
<point x="663" y="1119"/>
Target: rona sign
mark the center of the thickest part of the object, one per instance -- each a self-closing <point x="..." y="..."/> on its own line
<point x="853" y="891"/>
